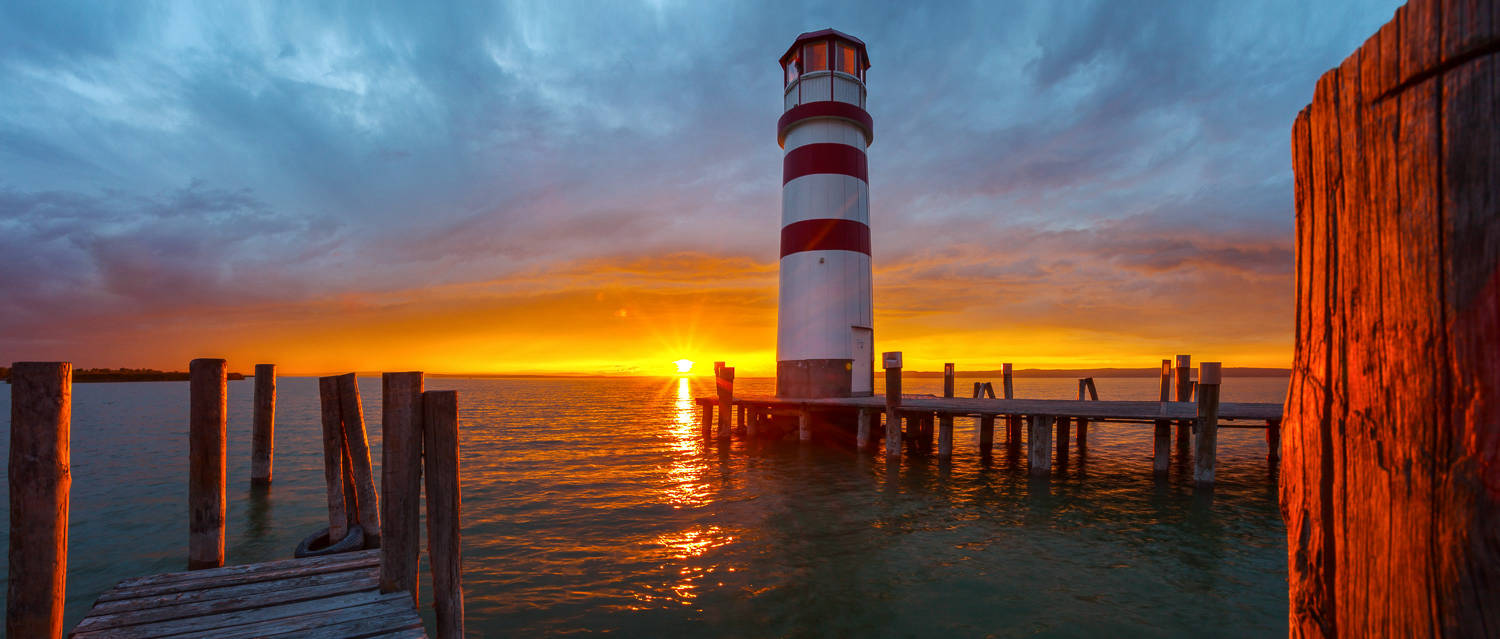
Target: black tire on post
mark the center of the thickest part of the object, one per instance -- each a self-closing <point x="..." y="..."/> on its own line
<point x="316" y="544"/>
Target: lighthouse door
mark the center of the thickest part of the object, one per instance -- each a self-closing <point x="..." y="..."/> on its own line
<point x="862" y="372"/>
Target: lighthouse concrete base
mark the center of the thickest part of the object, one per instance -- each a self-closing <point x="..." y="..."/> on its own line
<point x="814" y="378"/>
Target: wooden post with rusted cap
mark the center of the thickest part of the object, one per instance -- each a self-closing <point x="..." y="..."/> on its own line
<point x="41" y="481"/>
<point x="207" y="422"/>
<point x="892" y="362"/>
<point x="263" y="426"/>
<point x="1161" y="439"/>
<point x="1207" y="426"/>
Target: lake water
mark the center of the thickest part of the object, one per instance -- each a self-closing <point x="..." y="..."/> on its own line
<point x="593" y="506"/>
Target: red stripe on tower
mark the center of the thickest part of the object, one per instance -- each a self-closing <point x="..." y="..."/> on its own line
<point x="824" y="157"/>
<point x="825" y="235"/>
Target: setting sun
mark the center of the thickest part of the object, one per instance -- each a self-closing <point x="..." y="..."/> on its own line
<point x="684" y="365"/>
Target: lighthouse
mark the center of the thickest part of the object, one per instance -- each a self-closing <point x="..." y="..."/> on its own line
<point x="824" y="319"/>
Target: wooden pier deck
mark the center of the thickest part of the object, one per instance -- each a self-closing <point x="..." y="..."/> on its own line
<point x="333" y="596"/>
<point x="1251" y="415"/>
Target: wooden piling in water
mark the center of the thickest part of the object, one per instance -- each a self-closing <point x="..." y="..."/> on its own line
<point x="862" y="437"/>
<point x="263" y="428"/>
<point x="1184" y="393"/>
<point x="400" y="480"/>
<point x="1013" y="434"/>
<point x="1040" y="444"/>
<point x="444" y="504"/>
<point x="41" y="481"/>
<point x="986" y="434"/>
<point x="1063" y="425"/>
<point x="1205" y="445"/>
<point x="1009" y="388"/>
<point x="206" y="468"/>
<point x="1273" y="442"/>
<point x="739" y="414"/>
<point x="724" y="383"/>
<point x="357" y="449"/>
<point x="708" y="418"/>
<point x="804" y="425"/>
<point x="752" y="423"/>
<point x="1161" y="439"/>
<point x="333" y="458"/>
<point x="945" y="420"/>
<point x="892" y="363"/>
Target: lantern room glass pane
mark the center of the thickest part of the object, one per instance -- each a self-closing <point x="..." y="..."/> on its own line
<point x="817" y="57"/>
<point x="791" y="70"/>
<point x="848" y="60"/>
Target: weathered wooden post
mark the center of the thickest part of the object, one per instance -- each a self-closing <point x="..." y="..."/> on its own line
<point x="986" y="434"/>
<point x="862" y="437"/>
<point x="804" y="425"/>
<point x="400" y="480"/>
<point x="208" y="419"/>
<point x="1205" y="446"/>
<point x="978" y="390"/>
<point x="752" y="423"/>
<point x="892" y="362"/>
<point x="945" y="420"/>
<point x="41" y="481"/>
<point x="725" y="385"/>
<point x="333" y="458"/>
<point x="263" y="433"/>
<point x="1184" y="393"/>
<point x="708" y="415"/>
<point x="1063" y="425"/>
<point x="357" y="445"/>
<point x="739" y="425"/>
<point x="1040" y="444"/>
<point x="444" y="503"/>
<point x="1390" y="473"/>
<point x="1162" y="438"/>
<point x="1273" y="442"/>
<point x="1005" y="373"/>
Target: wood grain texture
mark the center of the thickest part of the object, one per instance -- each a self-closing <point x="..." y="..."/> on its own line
<point x="1040" y="444"/>
<point x="892" y="405"/>
<point x="357" y="449"/>
<point x="263" y="425"/>
<point x="333" y="458"/>
<point x="41" y="480"/>
<point x="400" y="481"/>
<point x="1390" y="444"/>
<point x="207" y="423"/>
<point x="444" y="509"/>
<point x="724" y="384"/>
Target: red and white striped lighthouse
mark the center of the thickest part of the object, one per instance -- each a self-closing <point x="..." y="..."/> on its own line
<point x="825" y="323"/>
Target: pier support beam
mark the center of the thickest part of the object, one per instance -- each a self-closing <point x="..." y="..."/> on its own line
<point x="986" y="434"/>
<point x="1063" y="424"/>
<point x="708" y="418"/>
<point x="1205" y="446"/>
<point x="1013" y="434"/>
<point x="206" y="468"/>
<point x="725" y="385"/>
<point x="804" y="425"/>
<point x="263" y="433"/>
<point x="1161" y="440"/>
<point x="1005" y="375"/>
<point x="862" y="438"/>
<point x="41" y="481"/>
<point x="339" y="499"/>
<point x="1273" y="442"/>
<point x="400" y="481"/>
<point x="945" y="435"/>
<point x="1184" y="393"/>
<point x="892" y="363"/>
<point x="1083" y="434"/>
<point x="1040" y="440"/>
<point x="357" y="452"/>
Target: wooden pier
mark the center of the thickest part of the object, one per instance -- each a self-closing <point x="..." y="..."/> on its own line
<point x="332" y="596"/>
<point x="1198" y="413"/>
<point x="362" y="593"/>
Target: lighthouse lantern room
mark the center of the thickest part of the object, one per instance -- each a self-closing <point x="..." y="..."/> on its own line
<point x="825" y="324"/>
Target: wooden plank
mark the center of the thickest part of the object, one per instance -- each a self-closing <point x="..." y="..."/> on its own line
<point x="251" y="572"/>
<point x="199" y="609"/>
<point x="390" y="607"/>
<point x="40" y="476"/>
<point x="333" y="457"/>
<point x="380" y="626"/>
<point x="263" y="428"/>
<point x="242" y="622"/>
<point x="400" y="481"/>
<point x="444" y="510"/>
<point x="210" y="591"/>
<point x="357" y="445"/>
<point x="402" y="634"/>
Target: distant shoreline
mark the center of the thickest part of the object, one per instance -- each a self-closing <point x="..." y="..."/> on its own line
<point x="101" y="377"/>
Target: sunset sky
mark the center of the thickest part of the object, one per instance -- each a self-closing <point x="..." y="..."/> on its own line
<point x="594" y="187"/>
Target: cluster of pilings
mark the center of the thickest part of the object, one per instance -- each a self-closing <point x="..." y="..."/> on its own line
<point x="419" y="431"/>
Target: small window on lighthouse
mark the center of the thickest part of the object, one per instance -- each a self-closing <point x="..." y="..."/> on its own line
<point x="817" y="57"/>
<point x="791" y="70"/>
<point x="848" y="60"/>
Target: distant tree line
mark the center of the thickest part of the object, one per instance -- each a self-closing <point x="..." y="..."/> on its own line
<point x="85" y="375"/>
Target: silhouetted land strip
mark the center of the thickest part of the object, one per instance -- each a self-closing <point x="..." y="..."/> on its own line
<point x="1104" y="372"/>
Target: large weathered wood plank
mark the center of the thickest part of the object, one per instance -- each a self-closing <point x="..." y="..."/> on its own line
<point x="270" y="569"/>
<point x="226" y="604"/>
<point x="211" y="590"/>
<point x="214" y="623"/>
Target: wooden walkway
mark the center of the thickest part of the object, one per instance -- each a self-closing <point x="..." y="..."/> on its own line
<point x="334" y="596"/>
<point x="1257" y="414"/>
